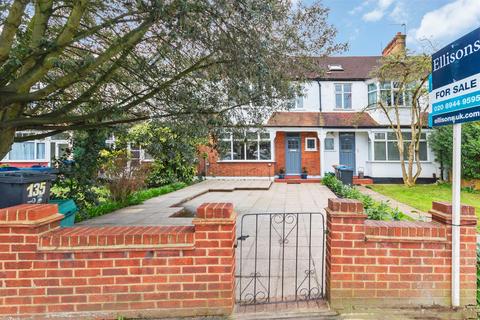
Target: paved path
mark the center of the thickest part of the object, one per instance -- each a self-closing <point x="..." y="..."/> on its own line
<point x="158" y="210"/>
<point x="408" y="210"/>
<point x="285" y="251"/>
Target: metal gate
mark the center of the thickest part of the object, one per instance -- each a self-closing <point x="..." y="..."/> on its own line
<point x="280" y="257"/>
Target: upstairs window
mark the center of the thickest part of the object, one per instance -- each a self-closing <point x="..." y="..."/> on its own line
<point x="390" y="94"/>
<point x="343" y="95"/>
<point x="372" y="94"/>
<point x="297" y="102"/>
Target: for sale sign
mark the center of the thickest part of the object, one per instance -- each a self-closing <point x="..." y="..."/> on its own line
<point x="455" y="82"/>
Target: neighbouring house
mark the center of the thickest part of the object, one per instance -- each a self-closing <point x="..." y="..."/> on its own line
<point x="328" y="126"/>
<point x="44" y="152"/>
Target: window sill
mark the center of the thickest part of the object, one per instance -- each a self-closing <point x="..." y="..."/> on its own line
<point x="394" y="161"/>
<point x="26" y="161"/>
<point x="310" y="150"/>
<point x="233" y="161"/>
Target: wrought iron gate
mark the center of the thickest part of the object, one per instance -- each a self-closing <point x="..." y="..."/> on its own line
<point x="280" y="257"/>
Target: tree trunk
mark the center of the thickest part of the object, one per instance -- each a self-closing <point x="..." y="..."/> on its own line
<point x="6" y="141"/>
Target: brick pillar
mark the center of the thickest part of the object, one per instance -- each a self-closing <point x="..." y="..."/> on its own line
<point x="20" y="229"/>
<point x="345" y="225"/>
<point x="442" y="212"/>
<point x="215" y="236"/>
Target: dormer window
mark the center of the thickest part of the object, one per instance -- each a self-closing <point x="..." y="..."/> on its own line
<point x="335" y="67"/>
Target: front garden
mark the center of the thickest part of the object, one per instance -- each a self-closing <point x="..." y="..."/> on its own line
<point x="102" y="178"/>
<point x="421" y="196"/>
<point x="374" y="209"/>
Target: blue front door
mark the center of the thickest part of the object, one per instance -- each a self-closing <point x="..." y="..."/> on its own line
<point x="347" y="149"/>
<point x="293" y="155"/>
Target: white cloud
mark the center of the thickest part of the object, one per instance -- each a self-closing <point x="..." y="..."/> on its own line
<point x="360" y="7"/>
<point x="399" y="13"/>
<point x="449" y="21"/>
<point x="378" y="12"/>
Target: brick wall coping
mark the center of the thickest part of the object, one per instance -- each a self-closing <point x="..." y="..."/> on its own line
<point x="404" y="231"/>
<point x="118" y="237"/>
<point x="29" y="214"/>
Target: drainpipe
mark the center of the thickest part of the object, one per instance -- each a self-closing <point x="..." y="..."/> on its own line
<point x="319" y="95"/>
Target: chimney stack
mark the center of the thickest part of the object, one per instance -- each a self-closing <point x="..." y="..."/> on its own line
<point x="396" y="46"/>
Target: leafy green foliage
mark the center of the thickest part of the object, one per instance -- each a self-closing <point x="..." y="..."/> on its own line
<point x="174" y="152"/>
<point x="135" y="198"/>
<point x="202" y="64"/>
<point x="77" y="179"/>
<point x="375" y="210"/>
<point x="441" y="143"/>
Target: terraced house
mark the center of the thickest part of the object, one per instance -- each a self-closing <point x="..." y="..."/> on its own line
<point x="328" y="126"/>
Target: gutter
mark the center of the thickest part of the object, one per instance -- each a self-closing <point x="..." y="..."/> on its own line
<point x="319" y="95"/>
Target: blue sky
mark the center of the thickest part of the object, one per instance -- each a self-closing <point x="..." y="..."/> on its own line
<point x="368" y="25"/>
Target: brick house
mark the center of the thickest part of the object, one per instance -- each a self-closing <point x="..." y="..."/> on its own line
<point x="327" y="126"/>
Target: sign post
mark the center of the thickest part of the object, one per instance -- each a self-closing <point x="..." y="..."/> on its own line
<point x="456" y="171"/>
<point x="455" y="99"/>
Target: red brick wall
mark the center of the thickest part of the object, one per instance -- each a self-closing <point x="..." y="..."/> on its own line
<point x="396" y="263"/>
<point x="24" y="164"/>
<point x="103" y="272"/>
<point x="279" y="151"/>
<point x="310" y="159"/>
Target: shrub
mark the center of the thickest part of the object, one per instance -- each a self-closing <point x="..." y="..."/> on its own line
<point x="373" y="209"/>
<point x="441" y="143"/>
<point x="77" y="179"/>
<point x="122" y="177"/>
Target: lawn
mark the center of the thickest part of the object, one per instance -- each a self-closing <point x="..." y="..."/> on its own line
<point x="421" y="196"/>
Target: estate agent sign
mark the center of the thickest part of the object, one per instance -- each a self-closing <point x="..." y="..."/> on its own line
<point x="455" y="82"/>
<point x="454" y="99"/>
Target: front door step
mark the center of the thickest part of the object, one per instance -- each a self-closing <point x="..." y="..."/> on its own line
<point x="304" y="310"/>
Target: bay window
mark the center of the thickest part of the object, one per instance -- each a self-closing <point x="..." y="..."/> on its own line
<point x="249" y="146"/>
<point x="385" y="147"/>
<point x="390" y="94"/>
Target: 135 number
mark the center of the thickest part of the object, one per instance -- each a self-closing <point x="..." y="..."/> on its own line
<point x="36" y="189"/>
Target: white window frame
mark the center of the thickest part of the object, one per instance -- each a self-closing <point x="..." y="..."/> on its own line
<point x="35" y="152"/>
<point x="329" y="150"/>
<point x="296" y="104"/>
<point x="314" y="141"/>
<point x="342" y="93"/>
<point x="392" y="91"/>
<point x="386" y="140"/>
<point x="259" y="140"/>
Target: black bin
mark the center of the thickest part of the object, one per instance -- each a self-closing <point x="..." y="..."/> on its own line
<point x="345" y="174"/>
<point x="17" y="187"/>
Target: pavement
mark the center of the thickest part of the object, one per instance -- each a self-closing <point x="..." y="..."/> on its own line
<point x="159" y="210"/>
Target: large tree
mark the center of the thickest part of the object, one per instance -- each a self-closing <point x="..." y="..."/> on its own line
<point x="405" y="109"/>
<point x="67" y="65"/>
